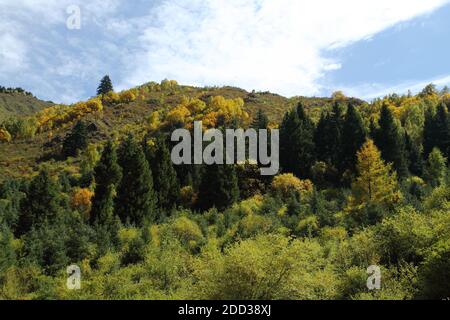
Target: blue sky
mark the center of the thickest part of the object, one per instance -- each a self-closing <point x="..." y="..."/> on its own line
<point x="365" y="48"/>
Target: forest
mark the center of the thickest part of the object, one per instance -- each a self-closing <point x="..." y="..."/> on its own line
<point x="360" y="184"/>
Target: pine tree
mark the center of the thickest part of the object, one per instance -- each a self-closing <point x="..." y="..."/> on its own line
<point x="297" y="154"/>
<point x="76" y="140"/>
<point x="415" y="158"/>
<point x="218" y="187"/>
<point x="436" y="132"/>
<point x="389" y="140"/>
<point x="429" y="133"/>
<point x="105" y="86"/>
<point x="41" y="203"/>
<point x="436" y="168"/>
<point x="261" y="121"/>
<point x="442" y="127"/>
<point x="375" y="184"/>
<point x="164" y="175"/>
<point x="136" y="200"/>
<point x="107" y="175"/>
<point x="328" y="139"/>
<point x="353" y="137"/>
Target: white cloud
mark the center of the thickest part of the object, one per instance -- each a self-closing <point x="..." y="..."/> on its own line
<point x="259" y="44"/>
<point x="276" y="45"/>
<point x="377" y="90"/>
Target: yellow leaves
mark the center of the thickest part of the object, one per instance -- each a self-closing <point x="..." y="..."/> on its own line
<point x="59" y="115"/>
<point x="196" y="106"/>
<point x="218" y="112"/>
<point x="111" y="98"/>
<point x="93" y="105"/>
<point x="154" y="121"/>
<point x="178" y="116"/>
<point x="286" y="183"/>
<point x="127" y="96"/>
<point x="376" y="183"/>
<point x="169" y="84"/>
<point x="5" y="136"/>
<point x="81" y="200"/>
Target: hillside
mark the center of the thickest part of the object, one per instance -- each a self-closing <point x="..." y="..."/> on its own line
<point x="93" y="186"/>
<point x="24" y="156"/>
<point x="19" y="104"/>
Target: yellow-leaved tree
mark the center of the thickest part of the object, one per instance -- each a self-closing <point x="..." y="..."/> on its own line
<point x="376" y="183"/>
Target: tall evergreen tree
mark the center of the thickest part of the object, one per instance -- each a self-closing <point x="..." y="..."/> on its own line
<point x="105" y="86"/>
<point x="136" y="199"/>
<point x="442" y="127"/>
<point x="41" y="203"/>
<point x="390" y="141"/>
<point x="219" y="187"/>
<point x="415" y="158"/>
<point x="297" y="153"/>
<point x="328" y="138"/>
<point x="261" y="121"/>
<point x="436" y="132"/>
<point x="76" y="140"/>
<point x="429" y="133"/>
<point x="164" y="175"/>
<point x="353" y="137"/>
<point x="107" y="175"/>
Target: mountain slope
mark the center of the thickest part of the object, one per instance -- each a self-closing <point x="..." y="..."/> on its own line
<point x="19" y="104"/>
<point x="22" y="157"/>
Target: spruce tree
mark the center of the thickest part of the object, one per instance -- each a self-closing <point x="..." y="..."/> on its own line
<point x="136" y="199"/>
<point x="261" y="121"/>
<point x="41" y="203"/>
<point x="218" y="188"/>
<point x="105" y="86"/>
<point x="164" y="175"/>
<point x="429" y="133"/>
<point x="415" y="158"/>
<point x="328" y="139"/>
<point x="441" y="124"/>
<point x="76" y="140"/>
<point x="297" y="153"/>
<point x="353" y="137"/>
<point x="436" y="168"/>
<point x="390" y="141"/>
<point x="107" y="175"/>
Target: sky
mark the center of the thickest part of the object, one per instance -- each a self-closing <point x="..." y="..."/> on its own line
<point x="366" y="48"/>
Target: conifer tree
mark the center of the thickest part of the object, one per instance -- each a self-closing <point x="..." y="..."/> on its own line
<point x="442" y="127"/>
<point x="353" y="137"/>
<point x="219" y="187"/>
<point x="389" y="140"/>
<point x="105" y="86"/>
<point x="107" y="175"/>
<point x="415" y="158"/>
<point x="436" y="168"/>
<point x="429" y="133"/>
<point x="76" y="140"/>
<point x="164" y="175"/>
<point x="297" y="153"/>
<point x="328" y="139"/>
<point x="136" y="199"/>
<point x="261" y="121"/>
<point x="41" y="203"/>
<point x="376" y="183"/>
